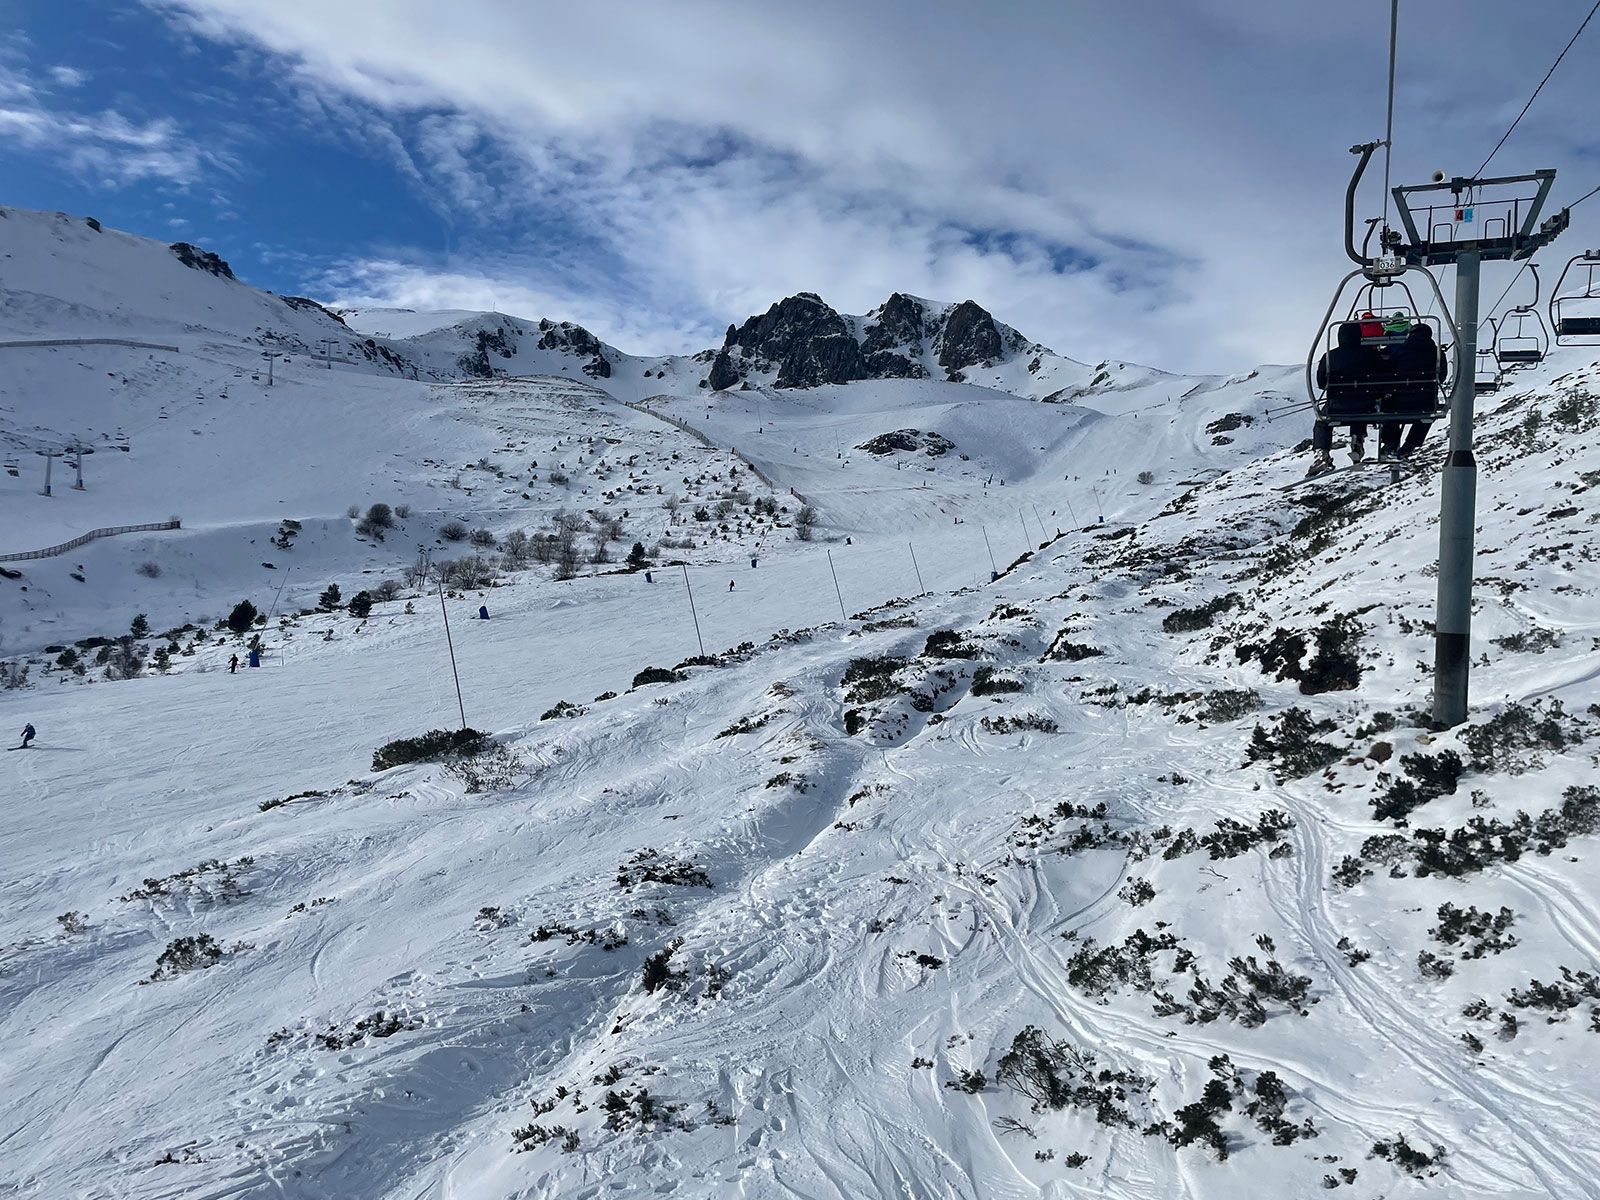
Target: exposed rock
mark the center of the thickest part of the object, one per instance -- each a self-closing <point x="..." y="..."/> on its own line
<point x="908" y="441"/>
<point x="809" y="342"/>
<point x="202" y="260"/>
<point x="579" y="341"/>
<point x="887" y="364"/>
<point x="969" y="338"/>
<point x="723" y="374"/>
<point x="901" y="321"/>
<point x="301" y="304"/>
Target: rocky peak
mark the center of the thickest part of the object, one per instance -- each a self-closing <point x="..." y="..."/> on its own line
<point x="969" y="338"/>
<point x="900" y="321"/>
<point x="803" y="337"/>
<point x="579" y="341"/>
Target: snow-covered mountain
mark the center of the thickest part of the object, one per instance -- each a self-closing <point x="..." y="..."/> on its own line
<point x="1062" y="820"/>
<point x="239" y="410"/>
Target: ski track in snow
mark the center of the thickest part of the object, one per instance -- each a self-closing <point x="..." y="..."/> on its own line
<point x="901" y="840"/>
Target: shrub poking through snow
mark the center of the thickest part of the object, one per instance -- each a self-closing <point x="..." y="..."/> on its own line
<point x="1478" y="932"/>
<point x="652" y="866"/>
<point x="494" y="769"/>
<point x="868" y="679"/>
<point x="198" y="953"/>
<point x="1414" y="1162"/>
<point x="1055" y="1075"/>
<point x="1334" y="667"/>
<point x="657" y="675"/>
<point x="1521" y="736"/>
<point x="1429" y="777"/>
<point x="1201" y="616"/>
<point x="429" y="747"/>
<point x="986" y="683"/>
<point x="1290" y="748"/>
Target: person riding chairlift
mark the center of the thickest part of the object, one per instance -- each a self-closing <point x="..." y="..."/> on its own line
<point x="1371" y="326"/>
<point x="1352" y="375"/>
<point x="1419" y="368"/>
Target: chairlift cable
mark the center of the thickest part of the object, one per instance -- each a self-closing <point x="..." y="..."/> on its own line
<point x="1538" y="89"/>
<point x="1388" y="130"/>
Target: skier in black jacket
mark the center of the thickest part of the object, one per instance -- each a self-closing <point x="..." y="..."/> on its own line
<point x="1419" y="368"/>
<point x="1353" y="376"/>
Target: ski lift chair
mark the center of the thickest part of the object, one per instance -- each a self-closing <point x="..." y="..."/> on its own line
<point x="1575" y="315"/>
<point x="1390" y="398"/>
<point x="1517" y="343"/>
<point x="1488" y="374"/>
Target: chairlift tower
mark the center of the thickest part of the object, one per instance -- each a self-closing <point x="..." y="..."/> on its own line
<point x="1461" y="222"/>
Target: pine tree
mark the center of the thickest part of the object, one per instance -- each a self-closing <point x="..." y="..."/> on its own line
<point x="242" y="617"/>
<point x="637" y="559"/>
<point x="330" y="599"/>
<point x="140" y="627"/>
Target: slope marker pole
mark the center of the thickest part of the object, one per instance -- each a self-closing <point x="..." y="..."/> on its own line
<point x="994" y="570"/>
<point x="692" y="613"/>
<point x="460" y="703"/>
<point x="836" y="590"/>
<point x="921" y="588"/>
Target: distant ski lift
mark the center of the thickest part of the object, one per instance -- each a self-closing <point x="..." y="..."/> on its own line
<point x="1575" y="314"/>
<point x="13" y="465"/>
<point x="1488" y="374"/>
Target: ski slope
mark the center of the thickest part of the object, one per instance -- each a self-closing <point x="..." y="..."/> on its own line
<point x="905" y="868"/>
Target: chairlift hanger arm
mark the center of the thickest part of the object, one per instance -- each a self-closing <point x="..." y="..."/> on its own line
<point x="1365" y="150"/>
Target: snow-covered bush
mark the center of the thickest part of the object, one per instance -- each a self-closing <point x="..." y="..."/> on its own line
<point x="429" y="747"/>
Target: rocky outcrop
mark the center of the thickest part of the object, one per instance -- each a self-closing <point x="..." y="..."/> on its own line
<point x="909" y="441"/>
<point x="301" y="304"/>
<point x="577" y="340"/>
<point x="805" y="342"/>
<point x="895" y="333"/>
<point x="476" y="364"/>
<point x="723" y="373"/>
<point x="969" y="338"/>
<point x="202" y="260"/>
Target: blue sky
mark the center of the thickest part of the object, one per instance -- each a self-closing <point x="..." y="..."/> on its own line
<point x="1130" y="178"/>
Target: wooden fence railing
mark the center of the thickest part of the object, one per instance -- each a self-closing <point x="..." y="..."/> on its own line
<point x="83" y="539"/>
<point x="87" y="342"/>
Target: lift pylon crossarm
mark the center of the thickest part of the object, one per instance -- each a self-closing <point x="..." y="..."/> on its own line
<point x="1521" y="233"/>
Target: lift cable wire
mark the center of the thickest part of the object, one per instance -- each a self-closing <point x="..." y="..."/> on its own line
<point x="1388" y="130"/>
<point x="1538" y="89"/>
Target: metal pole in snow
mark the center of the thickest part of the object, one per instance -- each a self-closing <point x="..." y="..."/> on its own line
<point x="1027" y="541"/>
<point x="451" y="643"/>
<point x="1458" y="494"/>
<point x="920" y="587"/>
<point x="836" y="590"/>
<point x="692" y="613"/>
<point x="985" y="532"/>
<point x="1042" y="526"/>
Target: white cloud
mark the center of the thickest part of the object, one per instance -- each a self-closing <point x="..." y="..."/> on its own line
<point x="70" y="77"/>
<point x="106" y="148"/>
<point x="708" y="156"/>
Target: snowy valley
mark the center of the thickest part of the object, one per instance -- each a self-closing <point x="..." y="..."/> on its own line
<point x="988" y="778"/>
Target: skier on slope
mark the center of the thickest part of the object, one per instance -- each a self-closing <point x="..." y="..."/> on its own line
<point x="233" y="665"/>
<point x="27" y="736"/>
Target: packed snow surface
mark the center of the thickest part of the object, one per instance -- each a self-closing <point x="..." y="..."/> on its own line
<point x="1103" y="870"/>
